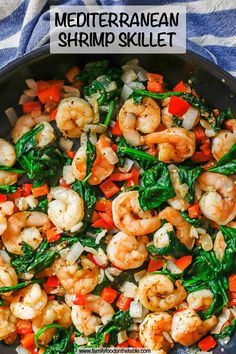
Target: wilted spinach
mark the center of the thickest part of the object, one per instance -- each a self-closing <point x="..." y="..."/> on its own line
<point x="227" y="331"/>
<point x="192" y="221"/>
<point x="92" y="70"/>
<point x="227" y="164"/>
<point x="27" y="141"/>
<point x="8" y="189"/>
<point x="189" y="175"/>
<point x="157" y="187"/>
<point x="7" y="289"/>
<point x="175" y="248"/>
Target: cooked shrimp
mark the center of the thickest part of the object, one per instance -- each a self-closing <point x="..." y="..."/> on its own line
<point x="157" y="292"/>
<point x="8" y="276"/>
<point x="219" y="201"/>
<point x="135" y="118"/>
<point x="154" y="332"/>
<point x="220" y="244"/>
<point x="182" y="226"/>
<point x="174" y="144"/>
<point x="72" y="116"/>
<point x="178" y="202"/>
<point x="54" y="312"/>
<point x="222" y="143"/>
<point x="7" y="322"/>
<point x="130" y="218"/>
<point x="189" y="120"/>
<point x="26" y="226"/>
<point x="187" y="327"/>
<point x="200" y="298"/>
<point x="7" y="153"/>
<point x="67" y="208"/>
<point x="126" y="252"/>
<point x="25" y="123"/>
<point x="76" y="280"/>
<point x="84" y="319"/>
<point x="29" y="302"/>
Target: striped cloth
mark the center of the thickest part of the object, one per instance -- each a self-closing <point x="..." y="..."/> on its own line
<point x="211" y="26"/>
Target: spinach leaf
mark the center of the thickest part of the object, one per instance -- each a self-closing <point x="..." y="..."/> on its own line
<point x="27" y="141"/>
<point x="43" y="165"/>
<point x="42" y="205"/>
<point x="11" y="169"/>
<point x="90" y="155"/>
<point x="175" y="248"/>
<point x="176" y="121"/>
<point x="136" y="153"/>
<point x="228" y="262"/>
<point x="227" y="331"/>
<point x="189" y="176"/>
<point x="157" y="187"/>
<point x="192" y="221"/>
<point x="227" y="164"/>
<point x="8" y="189"/>
<point x="89" y="197"/>
<point x="2" y="303"/>
<point x="119" y="322"/>
<point x="6" y="289"/>
<point x="92" y="70"/>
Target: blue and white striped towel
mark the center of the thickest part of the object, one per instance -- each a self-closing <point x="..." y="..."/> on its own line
<point x="211" y="26"/>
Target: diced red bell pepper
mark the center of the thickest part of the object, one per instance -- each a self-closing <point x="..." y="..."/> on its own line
<point x="232" y="282"/>
<point x="206" y="149"/>
<point x="114" y="147"/>
<point x="207" y="343"/>
<point x="63" y="183"/>
<point x="116" y="129"/>
<point x="199" y="133"/>
<point x="109" y="295"/>
<point x="107" y="337"/>
<point x="15" y="195"/>
<point x="123" y="345"/>
<point x="100" y="223"/>
<point x="24" y="327"/>
<point x="53" y="282"/>
<point x="53" y="114"/>
<point x="154" y="86"/>
<point x="107" y="217"/>
<point x="134" y="343"/>
<point x="109" y="188"/>
<point x="155" y="77"/>
<point x="28" y="340"/>
<point x="193" y="211"/>
<point x="232" y="298"/>
<point x="184" y="262"/>
<point x="182" y="87"/>
<point x="103" y="205"/>
<point x="133" y="179"/>
<point x="230" y="124"/>
<point x="53" y="93"/>
<point x="3" y="198"/>
<point x="95" y="217"/>
<point x="119" y="177"/>
<point x="53" y="234"/>
<point x="40" y="191"/>
<point x="42" y="85"/>
<point x="123" y="302"/>
<point x="70" y="154"/>
<point x="26" y="189"/>
<point x="70" y="75"/>
<point x="80" y="300"/>
<point x="200" y="156"/>
<point x="155" y="264"/>
<point x="178" y="106"/>
<point x="31" y="106"/>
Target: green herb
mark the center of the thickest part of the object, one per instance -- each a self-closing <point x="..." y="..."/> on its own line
<point x="175" y="248"/>
<point x="92" y="70"/>
<point x="189" y="176"/>
<point x="27" y="141"/>
<point x="157" y="187"/>
<point x="227" y="164"/>
<point x="8" y="189"/>
<point x="42" y="205"/>
<point x="136" y="153"/>
<point x="109" y="113"/>
<point x="192" y="221"/>
<point x="2" y="303"/>
<point x="11" y="169"/>
<point x="227" y="331"/>
<point x="90" y="155"/>
<point x="228" y="263"/>
<point x="176" y="122"/>
<point x="6" y="289"/>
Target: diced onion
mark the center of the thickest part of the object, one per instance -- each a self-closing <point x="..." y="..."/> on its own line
<point x="135" y="85"/>
<point x="5" y="257"/>
<point x="183" y="189"/>
<point x="95" y="128"/>
<point x="126" y="92"/>
<point x="11" y="115"/>
<point x="67" y="174"/>
<point x="108" y="274"/>
<point x="65" y="144"/>
<point x="129" y="289"/>
<point x="100" y="236"/>
<point x="115" y="271"/>
<point x="71" y="91"/>
<point x="122" y="337"/>
<point x="209" y="132"/>
<point x="110" y="155"/>
<point x="222" y="319"/>
<point x="93" y="138"/>
<point x="100" y="257"/>
<point x="233" y="311"/>
<point x="206" y="242"/>
<point x="127" y="165"/>
<point x="101" y="276"/>
<point x="22" y="350"/>
<point x="135" y="309"/>
<point x="31" y="93"/>
<point x="75" y="252"/>
<point x="130" y="64"/>
<point x="190" y="118"/>
<point x="32" y="84"/>
<point x="107" y="84"/>
<point x="90" y="250"/>
<point x="24" y="98"/>
<point x="76" y="227"/>
<point x="33" y="202"/>
<point x="223" y="341"/>
<point x="173" y="268"/>
<point x="193" y="232"/>
<point x="128" y="76"/>
<point x="64" y="253"/>
<point x="81" y="340"/>
<point x="200" y="230"/>
<point x="139" y="275"/>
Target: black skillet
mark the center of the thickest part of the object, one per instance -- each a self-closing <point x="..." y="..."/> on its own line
<point x="216" y="86"/>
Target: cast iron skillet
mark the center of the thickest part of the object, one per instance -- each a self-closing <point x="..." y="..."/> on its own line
<point x="216" y="86"/>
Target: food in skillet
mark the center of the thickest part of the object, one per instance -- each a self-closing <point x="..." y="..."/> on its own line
<point x="118" y="204"/>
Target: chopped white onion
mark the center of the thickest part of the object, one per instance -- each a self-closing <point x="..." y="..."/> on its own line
<point x="233" y="310"/>
<point x="105" y="82"/>
<point x="222" y="319"/>
<point x="206" y="242"/>
<point x="126" y="92"/>
<point x="32" y="84"/>
<point x="21" y="203"/>
<point x="141" y="73"/>
<point x="129" y="289"/>
<point x="100" y="257"/>
<point x="200" y="230"/>
<point x="11" y="115"/>
<point x="128" y="76"/>
<point x="90" y="250"/>
<point x="110" y="155"/>
<point x="75" y="252"/>
<point x="209" y="132"/>
<point x="161" y="238"/>
<point x="24" y="98"/>
<point x="93" y="138"/>
<point x="5" y="257"/>
<point x="67" y="174"/>
<point x="101" y="276"/>
<point x="131" y="63"/>
<point x="193" y="232"/>
<point x="76" y="227"/>
<point x="135" y="85"/>
<point x="95" y="128"/>
<point x="139" y="275"/>
<point x="108" y="274"/>
<point x="127" y="165"/>
<point x="115" y="271"/>
<point x="33" y="202"/>
<point x="64" y="253"/>
<point x="22" y="350"/>
<point x="81" y="340"/>
<point x="71" y="91"/>
<point x="122" y="337"/>
<point x="173" y="268"/>
<point x="99" y="236"/>
<point x="190" y="118"/>
<point x="224" y="340"/>
<point x="65" y="144"/>
<point x="31" y="93"/>
<point x="135" y="310"/>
